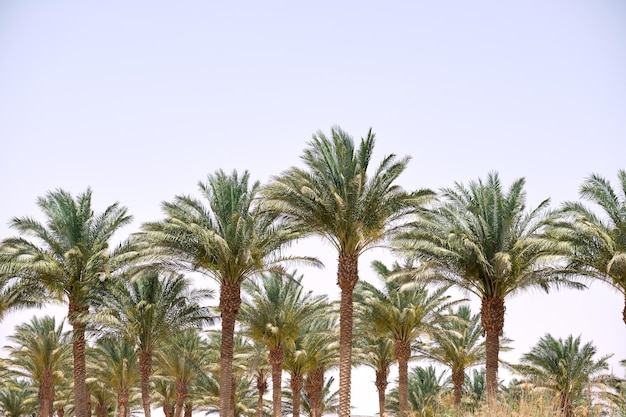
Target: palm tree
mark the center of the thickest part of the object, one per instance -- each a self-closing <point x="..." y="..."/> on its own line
<point x="228" y="241"/>
<point x="15" y="395"/>
<point x="596" y="243"/>
<point x="336" y="198"/>
<point x="401" y="314"/>
<point x="114" y="362"/>
<point x="68" y="256"/>
<point x="483" y="241"/>
<point x="182" y="360"/>
<point x="40" y="352"/>
<point x="564" y="367"/>
<point x="328" y="400"/>
<point x="456" y="343"/>
<point x="149" y="309"/>
<point x="377" y="353"/>
<point x="426" y="388"/>
<point x="17" y="294"/>
<point x="277" y="309"/>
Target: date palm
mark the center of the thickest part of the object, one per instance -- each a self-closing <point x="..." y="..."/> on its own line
<point x="596" y="242"/>
<point x="426" y="387"/>
<point x="377" y="353"/>
<point x="40" y="351"/>
<point x="68" y="256"/>
<point x="274" y="314"/>
<point x="15" y="398"/>
<point x="456" y="343"/>
<point x="402" y="315"/>
<point x="228" y="240"/>
<point x="482" y="240"/>
<point x="114" y="363"/>
<point x="563" y="366"/>
<point x="150" y="309"/>
<point x="337" y="196"/>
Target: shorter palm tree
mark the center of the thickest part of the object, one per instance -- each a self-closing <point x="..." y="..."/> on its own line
<point x="16" y="398"/>
<point x="564" y="367"/>
<point x="377" y="353"/>
<point x="426" y="388"/>
<point x="456" y="343"/>
<point x="41" y="351"/>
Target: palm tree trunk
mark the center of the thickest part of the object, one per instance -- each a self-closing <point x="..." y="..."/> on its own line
<point x="101" y="410"/>
<point x="314" y="386"/>
<point x="492" y="318"/>
<point x="402" y="352"/>
<point x="624" y="311"/>
<point x="81" y="400"/>
<point x="145" y="370"/>
<point x="188" y="409"/>
<point x="46" y="394"/>
<point x="181" y="396"/>
<point x="261" y="386"/>
<point x="296" y="391"/>
<point x="60" y="411"/>
<point x="276" y="358"/>
<point x="122" y="402"/>
<point x="347" y="277"/>
<point x="381" y="387"/>
<point x="168" y="410"/>
<point x="230" y="301"/>
<point x="458" y="378"/>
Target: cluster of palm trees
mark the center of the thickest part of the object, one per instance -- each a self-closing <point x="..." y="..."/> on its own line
<point x="477" y="237"/>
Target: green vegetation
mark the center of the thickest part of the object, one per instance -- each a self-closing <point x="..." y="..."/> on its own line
<point x="142" y="334"/>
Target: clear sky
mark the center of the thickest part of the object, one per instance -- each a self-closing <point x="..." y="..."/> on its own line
<point x="141" y="100"/>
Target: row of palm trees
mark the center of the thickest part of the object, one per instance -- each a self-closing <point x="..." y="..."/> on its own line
<point x="277" y="316"/>
<point x="477" y="237"/>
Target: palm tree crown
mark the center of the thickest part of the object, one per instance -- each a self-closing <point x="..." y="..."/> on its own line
<point x="336" y="197"/>
<point x="482" y="240"/>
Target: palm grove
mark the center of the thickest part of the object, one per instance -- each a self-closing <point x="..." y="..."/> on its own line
<point x="142" y="336"/>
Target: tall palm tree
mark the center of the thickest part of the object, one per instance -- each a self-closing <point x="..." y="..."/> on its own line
<point x="564" y="367"/>
<point x="273" y="315"/>
<point x="401" y="314"/>
<point x="17" y="294"/>
<point x="596" y="242"/>
<point x="482" y="240"/>
<point x="338" y="198"/>
<point x="69" y="255"/>
<point x="457" y="344"/>
<point x="149" y="309"/>
<point x="40" y="351"/>
<point x="228" y="241"/>
<point x="114" y="362"/>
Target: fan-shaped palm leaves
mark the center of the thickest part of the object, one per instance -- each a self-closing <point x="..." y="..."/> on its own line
<point x="338" y="198"/>
<point x="563" y="366"/>
<point x="229" y="241"/>
<point x="68" y="257"/>
<point x="482" y="240"/>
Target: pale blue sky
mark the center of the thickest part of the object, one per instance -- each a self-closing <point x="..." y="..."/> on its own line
<point x="141" y="100"/>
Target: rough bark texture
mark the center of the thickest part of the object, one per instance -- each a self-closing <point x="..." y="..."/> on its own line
<point x="314" y="386"/>
<point x="60" y="411"/>
<point x="188" y="409"/>
<point x="347" y="277"/>
<point x="492" y="318"/>
<point x="122" y="402"/>
<point x="276" y="358"/>
<point x="168" y="409"/>
<point x="145" y="370"/>
<point x="381" y="387"/>
<point x="81" y="400"/>
<point x="458" y="378"/>
<point x="402" y="352"/>
<point x="101" y="410"/>
<point x="181" y="396"/>
<point x="566" y="406"/>
<point x="230" y="301"/>
<point x="296" y="391"/>
<point x="46" y="394"/>
<point x="624" y="312"/>
<point x="261" y="386"/>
